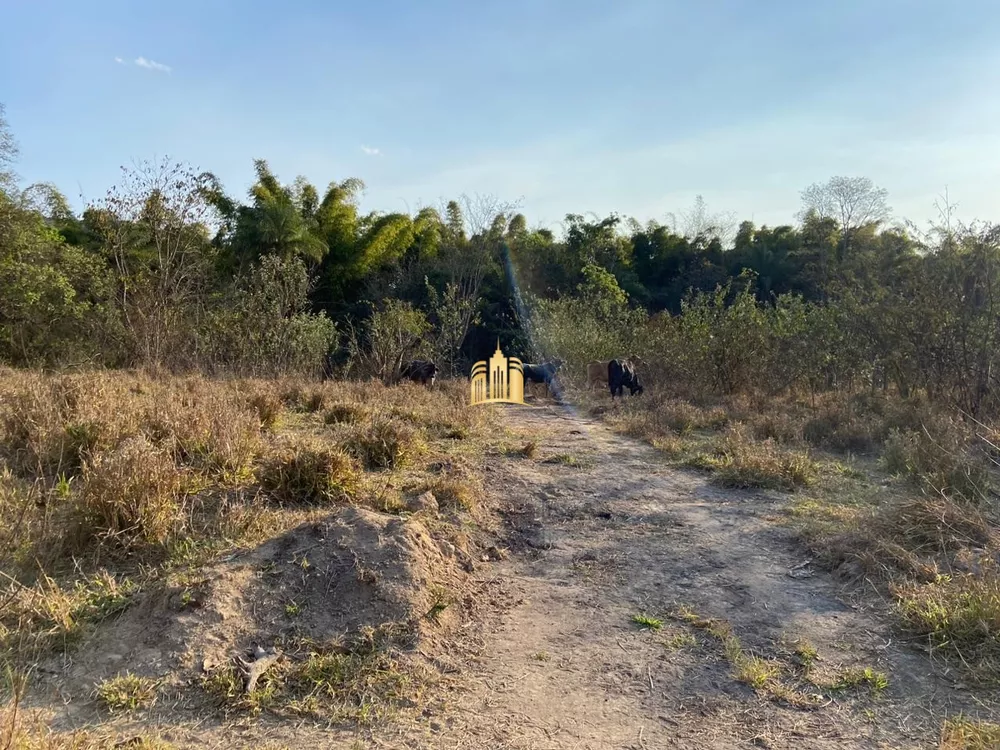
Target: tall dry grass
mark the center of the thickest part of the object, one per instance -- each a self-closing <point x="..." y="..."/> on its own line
<point x="109" y="480"/>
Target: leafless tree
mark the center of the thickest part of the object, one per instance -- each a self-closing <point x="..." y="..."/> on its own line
<point x="8" y="153"/>
<point x="698" y="222"/>
<point x="851" y="201"/>
<point x="943" y="231"/>
<point x="154" y="227"/>
<point x="486" y="220"/>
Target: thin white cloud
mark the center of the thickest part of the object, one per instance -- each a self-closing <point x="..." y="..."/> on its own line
<point x="142" y="62"/>
<point x="119" y="61"/>
<point x="371" y="151"/>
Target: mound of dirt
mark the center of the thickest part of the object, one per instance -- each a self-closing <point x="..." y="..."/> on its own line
<point x="315" y="585"/>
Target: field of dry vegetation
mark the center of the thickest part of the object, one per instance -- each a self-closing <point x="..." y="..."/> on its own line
<point x="155" y="533"/>
<point x="164" y="540"/>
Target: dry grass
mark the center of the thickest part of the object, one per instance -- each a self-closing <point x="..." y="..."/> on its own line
<point x="53" y="614"/>
<point x="112" y="483"/>
<point x="20" y="730"/>
<point x="50" y="427"/>
<point x="659" y="418"/>
<point x="309" y="473"/>
<point x="958" y="612"/>
<point x="935" y="556"/>
<point x="960" y="733"/>
<point x="126" y="692"/>
<point x="130" y="495"/>
<point x="129" y="460"/>
<point x="779" y="427"/>
<point x="946" y="462"/>
<point x="738" y="460"/>
<point x="344" y="414"/>
<point x="903" y="538"/>
<point x="384" y="442"/>
<point x="266" y="405"/>
<point x="843" y="432"/>
<point x="454" y="492"/>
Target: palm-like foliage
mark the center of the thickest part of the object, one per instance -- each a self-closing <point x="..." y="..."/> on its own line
<point x="281" y="227"/>
<point x="278" y="221"/>
<point x="328" y="232"/>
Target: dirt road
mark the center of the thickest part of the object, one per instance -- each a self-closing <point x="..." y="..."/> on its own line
<point x="604" y="532"/>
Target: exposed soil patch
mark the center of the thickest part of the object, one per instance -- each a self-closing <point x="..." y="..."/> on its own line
<point x="307" y="590"/>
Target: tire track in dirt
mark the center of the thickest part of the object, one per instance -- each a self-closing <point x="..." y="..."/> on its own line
<point x="621" y="533"/>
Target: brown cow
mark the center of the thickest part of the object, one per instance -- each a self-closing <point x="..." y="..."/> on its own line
<point x="597" y="372"/>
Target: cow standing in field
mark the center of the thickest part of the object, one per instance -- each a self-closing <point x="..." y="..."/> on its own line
<point x="597" y="373"/>
<point x="543" y="373"/>
<point x="621" y="374"/>
<point x="419" y="371"/>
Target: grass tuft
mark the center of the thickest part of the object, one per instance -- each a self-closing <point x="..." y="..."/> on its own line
<point x="961" y="733"/>
<point x="53" y="615"/>
<point x="861" y="677"/>
<point x="957" y="612"/>
<point x="344" y="414"/>
<point x="384" y="443"/>
<point x="944" y="464"/>
<point x="646" y="622"/>
<point x="126" y="692"/>
<point x="739" y="461"/>
<point x="131" y="496"/>
<point x="267" y="406"/>
<point x="456" y="492"/>
<point x="304" y="473"/>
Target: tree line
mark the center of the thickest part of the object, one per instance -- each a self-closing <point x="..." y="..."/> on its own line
<point x="171" y="271"/>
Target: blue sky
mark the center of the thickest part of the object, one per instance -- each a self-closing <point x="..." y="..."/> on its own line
<point x="565" y="106"/>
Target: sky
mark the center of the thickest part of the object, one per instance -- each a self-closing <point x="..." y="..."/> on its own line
<point x="557" y="106"/>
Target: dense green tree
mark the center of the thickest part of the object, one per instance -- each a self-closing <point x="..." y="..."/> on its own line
<point x="56" y="300"/>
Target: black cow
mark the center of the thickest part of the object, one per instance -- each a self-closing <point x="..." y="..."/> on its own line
<point x="621" y="374"/>
<point x="543" y="373"/>
<point x="419" y="371"/>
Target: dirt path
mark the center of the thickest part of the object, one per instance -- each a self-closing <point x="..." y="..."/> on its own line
<point x="609" y="532"/>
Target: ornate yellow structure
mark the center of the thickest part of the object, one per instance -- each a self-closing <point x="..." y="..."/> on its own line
<point x="502" y="380"/>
